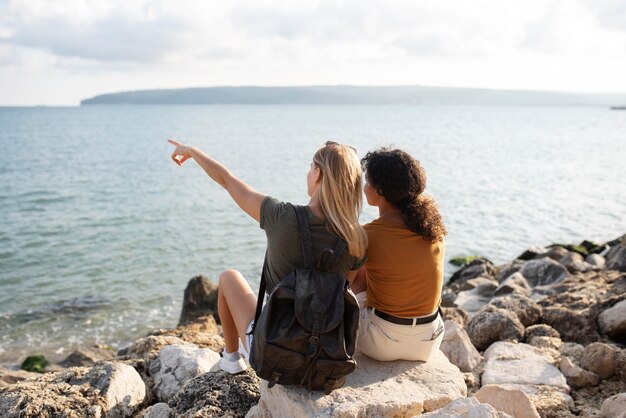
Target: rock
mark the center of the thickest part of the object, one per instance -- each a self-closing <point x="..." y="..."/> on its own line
<point x="457" y="315"/>
<point x="548" y="348"/>
<point x="556" y="253"/>
<point x="531" y="253"/>
<point x="600" y="358"/>
<point x="614" y="407"/>
<point x="86" y="357"/>
<point x="612" y="321"/>
<point x="575" y="263"/>
<point x="457" y="346"/>
<point x="576" y="376"/>
<point x="540" y="330"/>
<point x="571" y="325"/>
<point x="35" y="364"/>
<point x="616" y="257"/>
<point x="543" y="271"/>
<point x="217" y="394"/>
<point x="478" y="267"/>
<point x="465" y="408"/>
<point x="512" y="401"/>
<point x="176" y="364"/>
<point x="515" y="283"/>
<point x="159" y="410"/>
<point x="396" y="388"/>
<point x="149" y="347"/>
<point x="473" y="300"/>
<point x="200" y="301"/>
<point x="550" y="401"/>
<point x="203" y="335"/>
<point x="9" y="377"/>
<point x="447" y="298"/>
<point x="487" y="283"/>
<point x="111" y="390"/>
<point x="527" y="311"/>
<point x="492" y="325"/>
<point x="596" y="260"/>
<point x="507" y="362"/>
<point x="508" y="269"/>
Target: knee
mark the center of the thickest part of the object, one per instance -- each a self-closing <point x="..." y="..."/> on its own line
<point x="228" y="275"/>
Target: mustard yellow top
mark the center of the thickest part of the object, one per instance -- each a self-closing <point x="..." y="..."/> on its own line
<point x="404" y="271"/>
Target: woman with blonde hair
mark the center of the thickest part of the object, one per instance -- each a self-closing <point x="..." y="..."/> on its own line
<point x="334" y="187"/>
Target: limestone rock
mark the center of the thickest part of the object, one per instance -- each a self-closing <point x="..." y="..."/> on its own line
<point x="550" y="401"/>
<point x="612" y="321"/>
<point x="540" y="330"/>
<point x="527" y="311"/>
<point x="159" y="410"/>
<point x="596" y="260"/>
<point x="176" y="364"/>
<point x="200" y="301"/>
<point x="507" y="362"/>
<point x="217" y="394"/>
<point x="466" y="408"/>
<point x="601" y="359"/>
<point x="543" y="271"/>
<point x="473" y="300"/>
<point x="515" y="283"/>
<point x="457" y="346"/>
<point x="571" y="325"/>
<point x="203" y="335"/>
<point x="548" y="348"/>
<point x="9" y="377"/>
<point x="149" y="347"/>
<point x="110" y="390"/>
<point x="396" y="388"/>
<point x="508" y="269"/>
<point x="614" y="407"/>
<point x="86" y="357"/>
<point x="478" y="267"/>
<point x="512" y="401"/>
<point x="457" y="315"/>
<point x="576" y="376"/>
<point x="556" y="253"/>
<point x="616" y="257"/>
<point x="492" y="325"/>
<point x="575" y="263"/>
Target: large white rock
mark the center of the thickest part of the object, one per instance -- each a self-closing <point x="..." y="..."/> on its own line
<point x="120" y="385"/>
<point x="507" y="362"/>
<point x="176" y="364"/>
<point x="614" y="407"/>
<point x="612" y="321"/>
<point x="547" y="399"/>
<point x="514" y="402"/>
<point x="466" y="408"/>
<point x="396" y="388"/>
<point x="456" y="345"/>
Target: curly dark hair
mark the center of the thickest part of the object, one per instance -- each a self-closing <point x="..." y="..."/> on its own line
<point x="401" y="180"/>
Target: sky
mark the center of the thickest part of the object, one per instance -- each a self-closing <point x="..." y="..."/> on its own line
<point x="58" y="52"/>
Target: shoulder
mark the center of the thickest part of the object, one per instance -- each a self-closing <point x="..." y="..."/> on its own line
<point x="274" y="211"/>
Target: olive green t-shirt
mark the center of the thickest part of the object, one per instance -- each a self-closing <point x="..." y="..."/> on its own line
<point x="284" y="251"/>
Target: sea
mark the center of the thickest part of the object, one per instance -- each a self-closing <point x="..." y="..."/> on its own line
<point x="100" y="231"/>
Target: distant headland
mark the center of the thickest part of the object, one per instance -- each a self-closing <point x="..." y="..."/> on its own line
<point x="354" y="95"/>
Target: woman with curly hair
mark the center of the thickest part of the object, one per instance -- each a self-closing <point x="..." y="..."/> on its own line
<point x="401" y="282"/>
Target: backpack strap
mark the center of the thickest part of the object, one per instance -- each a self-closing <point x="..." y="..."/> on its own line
<point x="259" y="299"/>
<point x="305" y="235"/>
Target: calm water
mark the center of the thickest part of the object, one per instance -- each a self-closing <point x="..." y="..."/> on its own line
<point x="100" y="231"/>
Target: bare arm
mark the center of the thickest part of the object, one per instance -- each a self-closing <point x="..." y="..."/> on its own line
<point x="245" y="196"/>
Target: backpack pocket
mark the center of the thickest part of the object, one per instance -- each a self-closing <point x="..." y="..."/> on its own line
<point x="280" y="365"/>
<point x="331" y="374"/>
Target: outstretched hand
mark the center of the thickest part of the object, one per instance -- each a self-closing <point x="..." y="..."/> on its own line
<point x="181" y="153"/>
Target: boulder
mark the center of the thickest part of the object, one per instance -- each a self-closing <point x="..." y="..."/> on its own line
<point x="9" y="377"/>
<point x="488" y="283"/>
<point x="543" y="271"/>
<point x="531" y="253"/>
<point x="576" y="376"/>
<point x="396" y="388"/>
<point x="110" y="390"/>
<point x="614" y="407"/>
<point x="203" y="335"/>
<point x="507" y="270"/>
<point x="515" y="283"/>
<point x="555" y="252"/>
<point x="457" y="315"/>
<point x="575" y="263"/>
<point x="549" y="401"/>
<point x="158" y="410"/>
<point x="612" y="321"/>
<point x="596" y="260"/>
<point x="457" y="346"/>
<point x="616" y="257"/>
<point x="507" y="362"/>
<point x="600" y="358"/>
<point x="176" y="364"/>
<point x="527" y="311"/>
<point x="447" y="298"/>
<point x="491" y="325"/>
<point x="149" y="347"/>
<point x="478" y="267"/>
<point x="466" y="408"/>
<point x="571" y="325"/>
<point x="540" y="330"/>
<point x="87" y="357"/>
<point x="199" y="301"/>
<point x="512" y="401"/>
<point x="217" y="394"/>
<point x="473" y="300"/>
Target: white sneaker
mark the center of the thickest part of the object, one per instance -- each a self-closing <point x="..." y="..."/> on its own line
<point x="233" y="363"/>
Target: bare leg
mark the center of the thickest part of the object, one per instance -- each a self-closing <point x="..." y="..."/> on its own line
<point x="359" y="284"/>
<point x="236" y="303"/>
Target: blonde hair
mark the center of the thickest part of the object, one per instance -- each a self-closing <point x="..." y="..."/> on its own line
<point x="340" y="194"/>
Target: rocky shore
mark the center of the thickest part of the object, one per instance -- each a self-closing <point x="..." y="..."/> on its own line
<point x="543" y="335"/>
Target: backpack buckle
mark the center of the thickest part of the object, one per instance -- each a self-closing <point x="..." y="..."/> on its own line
<point x="315" y="340"/>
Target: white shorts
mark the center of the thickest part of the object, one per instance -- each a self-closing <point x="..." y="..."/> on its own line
<point x="385" y="341"/>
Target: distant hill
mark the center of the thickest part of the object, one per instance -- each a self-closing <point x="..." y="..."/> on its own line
<point x="354" y="95"/>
